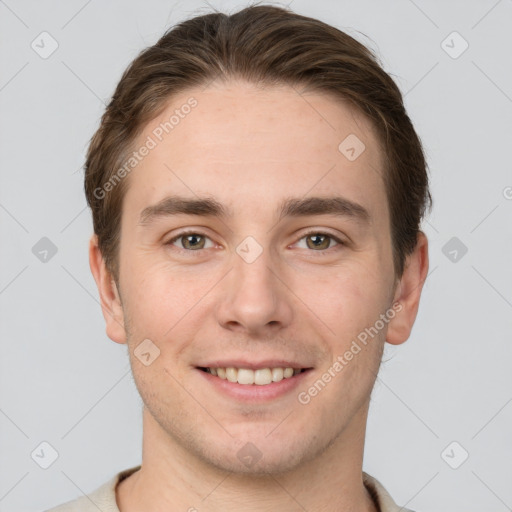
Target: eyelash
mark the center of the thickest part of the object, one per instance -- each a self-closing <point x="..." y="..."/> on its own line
<point x="305" y="235"/>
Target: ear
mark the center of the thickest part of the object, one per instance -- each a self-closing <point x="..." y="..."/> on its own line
<point x="109" y="295"/>
<point x="408" y="292"/>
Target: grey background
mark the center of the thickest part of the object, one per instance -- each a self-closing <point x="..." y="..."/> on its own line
<point x="62" y="381"/>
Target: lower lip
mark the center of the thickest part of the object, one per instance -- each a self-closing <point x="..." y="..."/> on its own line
<point x="255" y="392"/>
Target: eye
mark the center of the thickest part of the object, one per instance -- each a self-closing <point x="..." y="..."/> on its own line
<point x="191" y="241"/>
<point x="319" y="241"/>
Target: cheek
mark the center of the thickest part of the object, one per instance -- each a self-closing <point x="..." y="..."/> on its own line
<point x="347" y="300"/>
<point x="159" y="299"/>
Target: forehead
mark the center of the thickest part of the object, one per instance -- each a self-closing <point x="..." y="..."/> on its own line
<point x="240" y="143"/>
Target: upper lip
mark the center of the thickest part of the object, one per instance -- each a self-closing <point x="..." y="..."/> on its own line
<point x="253" y="365"/>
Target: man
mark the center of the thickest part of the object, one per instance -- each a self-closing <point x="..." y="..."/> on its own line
<point x="257" y="190"/>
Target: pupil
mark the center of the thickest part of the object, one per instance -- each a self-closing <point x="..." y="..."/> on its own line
<point x="319" y="240"/>
<point x="189" y="237"/>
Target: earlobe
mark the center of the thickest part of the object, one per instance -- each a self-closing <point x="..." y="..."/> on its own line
<point x="408" y="292"/>
<point x="110" y="299"/>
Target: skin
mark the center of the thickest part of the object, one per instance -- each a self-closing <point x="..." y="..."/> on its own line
<point x="249" y="148"/>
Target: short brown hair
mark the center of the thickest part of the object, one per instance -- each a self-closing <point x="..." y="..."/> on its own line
<point x="265" y="45"/>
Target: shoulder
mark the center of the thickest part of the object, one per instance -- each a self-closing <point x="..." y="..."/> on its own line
<point x="103" y="498"/>
<point x="381" y="495"/>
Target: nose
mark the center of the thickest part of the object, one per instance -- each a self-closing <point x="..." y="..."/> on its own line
<point x="255" y="298"/>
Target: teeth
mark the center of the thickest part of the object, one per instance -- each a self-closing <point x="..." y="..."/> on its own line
<point x="288" y="372"/>
<point x="244" y="376"/>
<point x="231" y="374"/>
<point x="259" y="377"/>
<point x="277" y="374"/>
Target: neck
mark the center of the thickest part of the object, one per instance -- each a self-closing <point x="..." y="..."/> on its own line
<point x="172" y="478"/>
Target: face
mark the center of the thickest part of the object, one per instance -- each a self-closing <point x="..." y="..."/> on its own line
<point x="290" y="276"/>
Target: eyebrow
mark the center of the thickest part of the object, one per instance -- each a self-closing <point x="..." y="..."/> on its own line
<point x="291" y="207"/>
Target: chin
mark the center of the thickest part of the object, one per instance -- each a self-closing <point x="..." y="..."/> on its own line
<point x="250" y="460"/>
<point x="257" y="453"/>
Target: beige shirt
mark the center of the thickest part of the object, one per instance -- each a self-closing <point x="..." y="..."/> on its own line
<point x="104" y="497"/>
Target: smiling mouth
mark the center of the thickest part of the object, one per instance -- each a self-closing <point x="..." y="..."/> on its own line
<point x="259" y="377"/>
